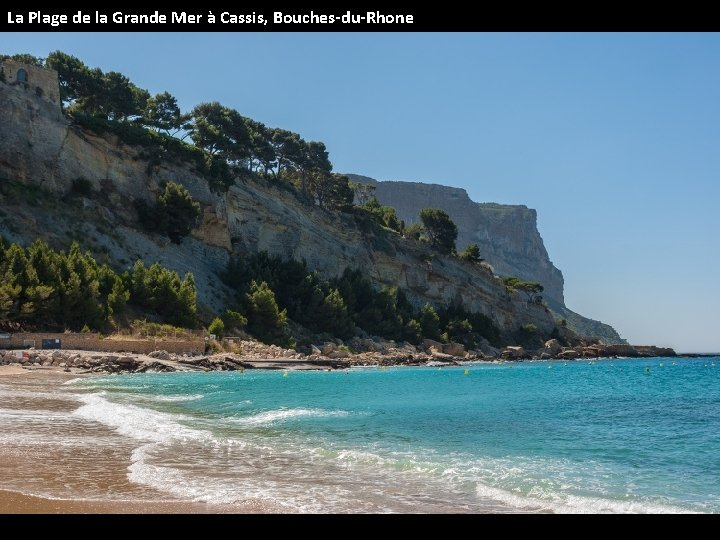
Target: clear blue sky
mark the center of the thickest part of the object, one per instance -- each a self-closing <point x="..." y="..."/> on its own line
<point x="613" y="138"/>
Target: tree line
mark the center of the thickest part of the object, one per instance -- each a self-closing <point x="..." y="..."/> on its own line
<point x="271" y="292"/>
<point x="230" y="140"/>
<point x="44" y="288"/>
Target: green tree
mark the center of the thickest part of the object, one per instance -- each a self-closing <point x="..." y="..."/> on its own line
<point x="221" y="131"/>
<point x="414" y="231"/>
<point x="440" y="228"/>
<point x="217" y="327"/>
<point x="234" y="320"/>
<point x="332" y="316"/>
<point x="384" y="215"/>
<point x="162" y="114"/>
<point x="73" y="75"/>
<point x="265" y="319"/>
<point x="121" y="98"/>
<point x="24" y="58"/>
<point x="531" y="289"/>
<point x="177" y="212"/>
<point x="471" y="253"/>
<point x="118" y="297"/>
<point x="429" y="322"/>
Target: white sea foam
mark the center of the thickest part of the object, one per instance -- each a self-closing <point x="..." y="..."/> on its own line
<point x="564" y="503"/>
<point x="137" y="422"/>
<point x="169" y="398"/>
<point x="280" y="415"/>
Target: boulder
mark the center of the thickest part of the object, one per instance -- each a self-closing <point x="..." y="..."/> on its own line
<point x="454" y="349"/>
<point x="160" y="355"/>
<point x="514" y="353"/>
<point x="339" y="354"/>
<point x="328" y="348"/>
<point x="429" y="344"/>
<point x="568" y="354"/>
<point x="486" y="349"/>
<point x="552" y="347"/>
<point x="545" y="356"/>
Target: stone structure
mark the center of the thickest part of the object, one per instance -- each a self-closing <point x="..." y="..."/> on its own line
<point x="40" y="81"/>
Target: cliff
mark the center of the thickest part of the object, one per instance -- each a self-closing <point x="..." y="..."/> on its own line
<point x="43" y="152"/>
<point x="507" y="235"/>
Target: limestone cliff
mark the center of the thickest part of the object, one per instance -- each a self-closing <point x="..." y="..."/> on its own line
<point x="507" y="235"/>
<point x="43" y="152"/>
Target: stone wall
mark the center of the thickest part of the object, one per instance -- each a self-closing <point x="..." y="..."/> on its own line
<point x="93" y="342"/>
<point x="43" y="82"/>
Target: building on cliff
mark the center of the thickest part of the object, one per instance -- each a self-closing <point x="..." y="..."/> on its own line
<point x="42" y="81"/>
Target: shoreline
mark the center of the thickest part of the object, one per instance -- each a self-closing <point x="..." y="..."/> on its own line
<point x="15" y="502"/>
<point x="21" y="471"/>
<point x="249" y="355"/>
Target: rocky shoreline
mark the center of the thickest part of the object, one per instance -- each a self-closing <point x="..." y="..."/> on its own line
<point x="328" y="356"/>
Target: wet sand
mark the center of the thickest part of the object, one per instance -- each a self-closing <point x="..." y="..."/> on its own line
<point x="54" y="464"/>
<point x="16" y="503"/>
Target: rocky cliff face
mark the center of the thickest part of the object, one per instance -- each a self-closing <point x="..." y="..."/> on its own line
<point x="507" y="235"/>
<point x="42" y="153"/>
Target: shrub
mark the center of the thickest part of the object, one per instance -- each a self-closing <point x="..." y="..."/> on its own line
<point x="217" y="327"/>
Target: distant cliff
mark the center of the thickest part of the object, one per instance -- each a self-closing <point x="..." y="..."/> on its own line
<point x="507" y="235"/>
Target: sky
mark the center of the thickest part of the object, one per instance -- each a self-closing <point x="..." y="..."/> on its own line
<point x="613" y="138"/>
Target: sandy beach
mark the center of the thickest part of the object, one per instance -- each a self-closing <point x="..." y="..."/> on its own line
<point x="36" y="480"/>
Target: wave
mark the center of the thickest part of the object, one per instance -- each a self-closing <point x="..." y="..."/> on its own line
<point x="352" y="475"/>
<point x="562" y="503"/>
<point x="169" y="398"/>
<point x="137" y="422"/>
<point x="280" y="415"/>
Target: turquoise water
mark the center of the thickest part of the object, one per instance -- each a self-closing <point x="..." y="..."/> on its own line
<point x="606" y="436"/>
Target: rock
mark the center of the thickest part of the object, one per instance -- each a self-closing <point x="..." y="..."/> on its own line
<point x="545" y="356"/>
<point x="339" y="354"/>
<point x="552" y="347"/>
<point x="488" y="350"/>
<point x="328" y="348"/>
<point x="63" y="364"/>
<point x="441" y="356"/>
<point x="568" y="354"/>
<point x="432" y="344"/>
<point x="514" y="353"/>
<point x="160" y="355"/>
<point x="454" y="349"/>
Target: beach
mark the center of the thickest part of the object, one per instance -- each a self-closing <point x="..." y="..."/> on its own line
<point x="529" y="437"/>
<point x="74" y="478"/>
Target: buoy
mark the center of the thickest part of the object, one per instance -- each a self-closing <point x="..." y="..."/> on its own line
<point x="467" y="372"/>
<point x="549" y="367"/>
<point x="662" y="365"/>
<point x="285" y="373"/>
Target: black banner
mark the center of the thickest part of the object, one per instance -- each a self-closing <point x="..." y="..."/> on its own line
<point x="261" y="19"/>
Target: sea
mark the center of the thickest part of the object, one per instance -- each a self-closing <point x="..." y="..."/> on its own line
<point x="601" y="436"/>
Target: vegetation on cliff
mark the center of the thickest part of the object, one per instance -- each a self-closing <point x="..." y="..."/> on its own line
<point x="336" y="307"/>
<point x="40" y="287"/>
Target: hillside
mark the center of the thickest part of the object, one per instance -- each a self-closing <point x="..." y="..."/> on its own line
<point x="507" y="235"/>
<point x="45" y="152"/>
